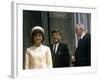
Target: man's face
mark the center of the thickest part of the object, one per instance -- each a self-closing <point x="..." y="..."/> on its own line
<point x="56" y="37"/>
<point x="78" y="31"/>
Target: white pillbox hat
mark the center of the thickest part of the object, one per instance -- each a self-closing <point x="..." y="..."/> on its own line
<point x="37" y="28"/>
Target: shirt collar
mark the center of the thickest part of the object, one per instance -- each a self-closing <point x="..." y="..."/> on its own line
<point x="82" y="35"/>
<point x="56" y="44"/>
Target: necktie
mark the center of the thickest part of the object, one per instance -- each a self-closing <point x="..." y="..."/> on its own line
<point x="54" y="50"/>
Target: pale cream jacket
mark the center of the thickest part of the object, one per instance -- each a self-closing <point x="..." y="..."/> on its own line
<point x="38" y="57"/>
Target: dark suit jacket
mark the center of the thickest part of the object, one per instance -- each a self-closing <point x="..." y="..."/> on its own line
<point x="83" y="51"/>
<point x="61" y="58"/>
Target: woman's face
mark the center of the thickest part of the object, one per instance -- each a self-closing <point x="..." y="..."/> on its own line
<point x="38" y="39"/>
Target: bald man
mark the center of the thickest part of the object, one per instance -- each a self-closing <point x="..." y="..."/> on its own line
<point x="83" y="50"/>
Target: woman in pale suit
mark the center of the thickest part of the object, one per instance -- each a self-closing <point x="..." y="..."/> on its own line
<point x="38" y="56"/>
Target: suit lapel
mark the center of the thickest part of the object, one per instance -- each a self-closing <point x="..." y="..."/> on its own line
<point x="52" y="48"/>
<point x="58" y="49"/>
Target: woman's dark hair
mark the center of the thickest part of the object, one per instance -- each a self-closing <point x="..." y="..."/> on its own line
<point x="35" y="32"/>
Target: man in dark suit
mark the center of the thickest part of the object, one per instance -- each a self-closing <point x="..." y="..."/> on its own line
<point x="83" y="50"/>
<point x="60" y="52"/>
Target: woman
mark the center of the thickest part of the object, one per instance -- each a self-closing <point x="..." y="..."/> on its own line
<point x="38" y="56"/>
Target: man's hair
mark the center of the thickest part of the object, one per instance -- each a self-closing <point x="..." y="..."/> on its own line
<point x="56" y="31"/>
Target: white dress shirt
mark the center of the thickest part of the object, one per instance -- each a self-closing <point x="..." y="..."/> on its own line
<point x="82" y="35"/>
<point x="56" y="47"/>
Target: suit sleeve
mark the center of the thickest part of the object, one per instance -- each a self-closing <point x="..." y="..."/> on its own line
<point x="89" y="50"/>
<point x="67" y="55"/>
